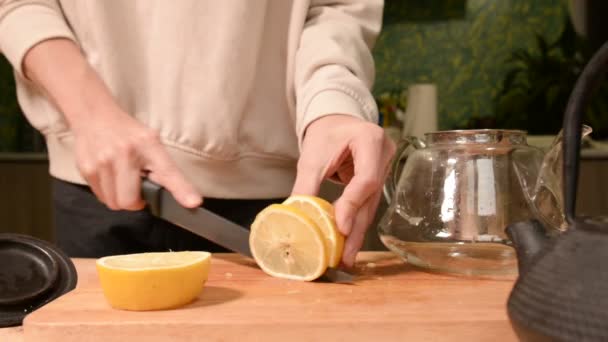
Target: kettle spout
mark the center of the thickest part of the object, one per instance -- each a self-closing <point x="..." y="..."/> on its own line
<point x="529" y="238"/>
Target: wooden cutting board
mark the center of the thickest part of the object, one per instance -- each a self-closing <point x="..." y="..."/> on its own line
<point x="390" y="301"/>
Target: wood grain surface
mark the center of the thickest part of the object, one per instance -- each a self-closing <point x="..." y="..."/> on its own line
<point x="390" y="300"/>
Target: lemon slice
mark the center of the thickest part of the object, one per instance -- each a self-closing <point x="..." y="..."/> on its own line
<point x="153" y="281"/>
<point x="285" y="243"/>
<point x="322" y="213"/>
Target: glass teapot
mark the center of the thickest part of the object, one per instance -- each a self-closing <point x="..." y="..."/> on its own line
<point x="457" y="192"/>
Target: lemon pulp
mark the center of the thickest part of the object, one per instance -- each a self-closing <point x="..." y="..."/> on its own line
<point x="322" y="213"/>
<point x="286" y="243"/>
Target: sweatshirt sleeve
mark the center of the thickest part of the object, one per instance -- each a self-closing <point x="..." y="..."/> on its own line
<point x="25" y="23"/>
<point x="334" y="67"/>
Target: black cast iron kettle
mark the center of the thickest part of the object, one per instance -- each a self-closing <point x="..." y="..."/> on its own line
<point x="561" y="293"/>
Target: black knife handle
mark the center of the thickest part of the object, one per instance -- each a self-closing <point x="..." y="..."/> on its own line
<point x="150" y="192"/>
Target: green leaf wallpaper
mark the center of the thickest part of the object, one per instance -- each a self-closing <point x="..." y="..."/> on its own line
<point x="461" y="45"/>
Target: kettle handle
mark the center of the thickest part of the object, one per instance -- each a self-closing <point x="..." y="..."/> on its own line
<point x="588" y="80"/>
<point x="393" y="178"/>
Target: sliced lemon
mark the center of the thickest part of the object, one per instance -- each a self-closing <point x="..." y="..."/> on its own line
<point x="153" y="281"/>
<point x="286" y="243"/>
<point x="322" y="213"/>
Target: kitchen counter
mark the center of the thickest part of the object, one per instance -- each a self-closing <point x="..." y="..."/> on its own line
<point x="390" y="301"/>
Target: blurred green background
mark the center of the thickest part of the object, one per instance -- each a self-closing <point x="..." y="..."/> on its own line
<point x="463" y="46"/>
<point x="496" y="63"/>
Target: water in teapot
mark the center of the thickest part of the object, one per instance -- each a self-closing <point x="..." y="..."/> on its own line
<point x="457" y="192"/>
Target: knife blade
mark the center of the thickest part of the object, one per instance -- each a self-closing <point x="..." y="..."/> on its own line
<point x="211" y="226"/>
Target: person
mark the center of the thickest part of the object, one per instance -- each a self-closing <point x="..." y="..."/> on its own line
<point x="227" y="104"/>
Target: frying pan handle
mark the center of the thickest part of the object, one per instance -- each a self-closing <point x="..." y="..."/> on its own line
<point x="150" y="192"/>
<point x="588" y="80"/>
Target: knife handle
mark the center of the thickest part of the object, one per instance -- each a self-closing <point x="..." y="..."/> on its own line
<point x="150" y="192"/>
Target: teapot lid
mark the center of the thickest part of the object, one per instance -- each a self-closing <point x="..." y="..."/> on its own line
<point x="36" y="273"/>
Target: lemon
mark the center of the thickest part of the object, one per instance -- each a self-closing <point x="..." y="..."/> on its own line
<point x="153" y="281"/>
<point x="286" y="243"/>
<point x="322" y="213"/>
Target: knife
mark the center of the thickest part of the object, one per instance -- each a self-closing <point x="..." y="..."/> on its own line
<point x="211" y="226"/>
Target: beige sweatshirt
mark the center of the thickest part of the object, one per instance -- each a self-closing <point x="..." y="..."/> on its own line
<point x="229" y="85"/>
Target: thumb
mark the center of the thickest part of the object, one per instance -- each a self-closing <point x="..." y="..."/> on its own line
<point x="165" y="173"/>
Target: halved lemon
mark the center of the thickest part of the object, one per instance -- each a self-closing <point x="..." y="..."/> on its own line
<point x="286" y="243"/>
<point x="153" y="281"/>
<point x="322" y="213"/>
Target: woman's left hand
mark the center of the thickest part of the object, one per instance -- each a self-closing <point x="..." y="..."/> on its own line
<point x="354" y="152"/>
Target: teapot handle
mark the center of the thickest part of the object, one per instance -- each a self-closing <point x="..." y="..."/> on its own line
<point x="393" y="177"/>
<point x="588" y="80"/>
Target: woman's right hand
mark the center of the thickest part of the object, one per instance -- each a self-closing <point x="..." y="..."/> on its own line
<point x="113" y="149"/>
<point x="114" y="152"/>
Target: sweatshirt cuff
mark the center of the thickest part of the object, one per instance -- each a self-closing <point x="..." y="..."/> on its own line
<point x="335" y="101"/>
<point x="27" y="25"/>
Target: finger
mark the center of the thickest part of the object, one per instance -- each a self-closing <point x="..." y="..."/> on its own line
<point x="127" y="174"/>
<point x="355" y="239"/>
<point x="369" y="172"/>
<point x="387" y="157"/>
<point x="164" y="172"/>
<point x="309" y="176"/>
<point x="345" y="172"/>
<point x="373" y="206"/>
<point x="90" y="174"/>
<point x="107" y="185"/>
<point x="93" y="182"/>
